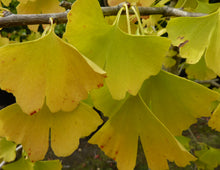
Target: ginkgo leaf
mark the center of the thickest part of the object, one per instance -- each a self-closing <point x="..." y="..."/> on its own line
<point x="47" y="68"/>
<point x="135" y="2"/>
<point x="5" y="2"/>
<point x="39" y="6"/>
<point x="187" y="4"/>
<point x="174" y="99"/>
<point x="200" y="71"/>
<point x="3" y="41"/>
<point x="212" y="56"/>
<point x="26" y="164"/>
<point x="33" y="131"/>
<point x="214" y="122"/>
<point x="119" y="136"/>
<point x="127" y="63"/>
<point x="206" y="7"/>
<point x="209" y="158"/>
<point x="7" y="150"/>
<point x="192" y="35"/>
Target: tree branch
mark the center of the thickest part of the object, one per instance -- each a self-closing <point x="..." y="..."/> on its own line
<point x="30" y="19"/>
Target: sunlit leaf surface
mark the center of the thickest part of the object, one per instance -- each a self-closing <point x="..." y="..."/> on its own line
<point x="127" y="63"/>
<point x="33" y="132"/>
<point x="47" y="68"/>
<point x="39" y="6"/>
<point x="7" y="150"/>
<point x="192" y="35"/>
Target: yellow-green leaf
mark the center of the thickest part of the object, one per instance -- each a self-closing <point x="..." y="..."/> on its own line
<point x="47" y="68"/>
<point x="200" y="71"/>
<point x="212" y="56"/>
<point x="7" y="150"/>
<point x="192" y="35"/>
<point x="5" y="2"/>
<point x="26" y="164"/>
<point x="119" y="136"/>
<point x="176" y="101"/>
<point x="33" y="132"/>
<point x="209" y="158"/>
<point x="3" y="41"/>
<point x="134" y="2"/>
<point x="39" y="6"/>
<point x="214" y="122"/>
<point x="127" y="63"/>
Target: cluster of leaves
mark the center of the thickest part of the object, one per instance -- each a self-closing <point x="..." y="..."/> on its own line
<point x="116" y="65"/>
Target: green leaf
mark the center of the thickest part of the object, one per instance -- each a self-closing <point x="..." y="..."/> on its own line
<point x="33" y="132"/>
<point x="174" y="99"/>
<point x="210" y="158"/>
<point x="21" y="164"/>
<point x="26" y="164"/>
<point x="7" y="150"/>
<point x="206" y="7"/>
<point x="47" y="68"/>
<point x="127" y="63"/>
<point x="119" y="136"/>
<point x="200" y="71"/>
<point x="192" y="35"/>
<point x="48" y="165"/>
<point x="187" y="4"/>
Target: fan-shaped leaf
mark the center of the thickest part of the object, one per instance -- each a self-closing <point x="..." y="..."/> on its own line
<point x="114" y="50"/>
<point x="173" y="99"/>
<point x="192" y="35"/>
<point x="119" y="136"/>
<point x="47" y="67"/>
<point x="33" y="131"/>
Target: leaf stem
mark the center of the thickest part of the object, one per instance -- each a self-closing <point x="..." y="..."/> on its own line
<point x="118" y="16"/>
<point x="127" y="16"/>
<point x="137" y="14"/>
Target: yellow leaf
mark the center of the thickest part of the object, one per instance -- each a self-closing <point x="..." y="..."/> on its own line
<point x="39" y="6"/>
<point x="33" y="131"/>
<point x="119" y="136"/>
<point x="127" y="63"/>
<point x="145" y="3"/>
<point x="47" y="68"/>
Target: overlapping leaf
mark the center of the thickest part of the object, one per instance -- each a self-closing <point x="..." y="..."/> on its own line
<point x="155" y="119"/>
<point x="7" y="150"/>
<point x="133" y="119"/>
<point x="127" y="63"/>
<point x="26" y="164"/>
<point x="33" y="132"/>
<point x="192" y="35"/>
<point x="208" y="158"/>
<point x="200" y="71"/>
<point x="47" y="68"/>
<point x="173" y="99"/>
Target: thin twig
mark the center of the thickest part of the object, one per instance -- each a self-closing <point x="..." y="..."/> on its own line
<point x="31" y="19"/>
<point x="211" y="82"/>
